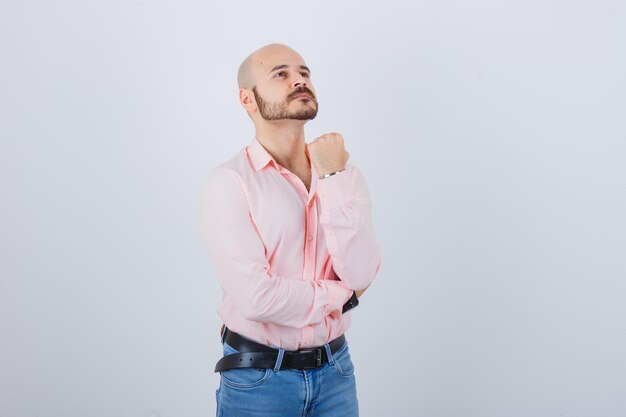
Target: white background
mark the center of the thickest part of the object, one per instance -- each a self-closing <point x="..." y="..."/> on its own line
<point x="492" y="135"/>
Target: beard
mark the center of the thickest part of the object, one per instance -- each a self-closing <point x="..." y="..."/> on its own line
<point x="280" y="111"/>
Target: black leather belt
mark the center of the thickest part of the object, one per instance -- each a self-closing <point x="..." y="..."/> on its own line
<point x="256" y="355"/>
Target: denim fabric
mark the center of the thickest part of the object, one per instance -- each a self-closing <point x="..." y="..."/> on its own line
<point x="327" y="391"/>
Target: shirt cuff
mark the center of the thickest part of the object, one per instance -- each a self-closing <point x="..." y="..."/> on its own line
<point x="338" y="294"/>
<point x="334" y="191"/>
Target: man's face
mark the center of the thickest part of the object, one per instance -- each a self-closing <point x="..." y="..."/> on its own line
<point x="284" y="89"/>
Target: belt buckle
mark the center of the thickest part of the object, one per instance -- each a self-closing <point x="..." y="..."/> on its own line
<point x="318" y="358"/>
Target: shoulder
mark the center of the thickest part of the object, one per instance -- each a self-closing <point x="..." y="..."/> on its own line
<point x="221" y="179"/>
<point x="228" y="173"/>
<point x="235" y="163"/>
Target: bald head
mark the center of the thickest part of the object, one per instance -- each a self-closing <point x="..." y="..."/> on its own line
<point x="246" y="76"/>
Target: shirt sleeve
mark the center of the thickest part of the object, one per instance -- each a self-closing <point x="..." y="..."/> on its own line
<point x="345" y="216"/>
<point x="243" y="271"/>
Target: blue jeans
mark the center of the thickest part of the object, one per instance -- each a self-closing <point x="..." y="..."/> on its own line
<point x="327" y="391"/>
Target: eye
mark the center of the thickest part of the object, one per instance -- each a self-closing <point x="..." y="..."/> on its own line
<point x="305" y="74"/>
<point x="280" y="72"/>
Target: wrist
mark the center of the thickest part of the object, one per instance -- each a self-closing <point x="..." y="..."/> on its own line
<point x="351" y="303"/>
<point x="329" y="174"/>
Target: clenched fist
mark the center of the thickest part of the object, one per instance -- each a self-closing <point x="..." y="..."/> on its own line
<point x="328" y="154"/>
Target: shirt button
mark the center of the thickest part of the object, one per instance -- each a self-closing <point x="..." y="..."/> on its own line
<point x="310" y="238"/>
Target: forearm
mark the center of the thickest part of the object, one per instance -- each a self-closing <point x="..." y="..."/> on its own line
<point x="244" y="272"/>
<point x="347" y="223"/>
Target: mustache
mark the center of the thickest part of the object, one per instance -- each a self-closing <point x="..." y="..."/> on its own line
<point x="301" y="90"/>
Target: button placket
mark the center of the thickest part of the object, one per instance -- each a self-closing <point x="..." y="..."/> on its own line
<point x="310" y="250"/>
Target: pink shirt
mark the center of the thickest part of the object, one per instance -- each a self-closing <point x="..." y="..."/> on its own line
<point x="287" y="259"/>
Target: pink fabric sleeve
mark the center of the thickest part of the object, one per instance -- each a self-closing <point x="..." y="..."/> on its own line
<point x="243" y="271"/>
<point x="347" y="222"/>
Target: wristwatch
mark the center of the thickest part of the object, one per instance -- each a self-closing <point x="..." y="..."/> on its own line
<point x="351" y="303"/>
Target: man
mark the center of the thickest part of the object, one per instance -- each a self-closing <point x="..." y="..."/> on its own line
<point x="287" y="225"/>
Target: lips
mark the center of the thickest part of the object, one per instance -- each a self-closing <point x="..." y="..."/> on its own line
<point x="303" y="95"/>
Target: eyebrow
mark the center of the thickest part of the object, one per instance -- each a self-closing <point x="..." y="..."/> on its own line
<point x="277" y="67"/>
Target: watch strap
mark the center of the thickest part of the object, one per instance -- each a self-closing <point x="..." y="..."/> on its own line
<point x="351" y="303"/>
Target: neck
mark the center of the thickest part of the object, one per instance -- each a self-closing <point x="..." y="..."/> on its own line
<point x="284" y="140"/>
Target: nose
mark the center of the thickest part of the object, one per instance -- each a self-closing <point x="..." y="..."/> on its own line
<point x="299" y="81"/>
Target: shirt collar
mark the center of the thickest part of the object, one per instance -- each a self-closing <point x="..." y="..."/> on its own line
<point x="259" y="156"/>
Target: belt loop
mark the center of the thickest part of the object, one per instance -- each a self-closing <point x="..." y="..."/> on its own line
<point x="279" y="360"/>
<point x="223" y="333"/>
<point x="329" y="354"/>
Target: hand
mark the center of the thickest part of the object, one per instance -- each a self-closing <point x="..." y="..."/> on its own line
<point x="327" y="153"/>
<point x="360" y="292"/>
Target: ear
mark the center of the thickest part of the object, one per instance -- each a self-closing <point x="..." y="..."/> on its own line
<point x="246" y="98"/>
